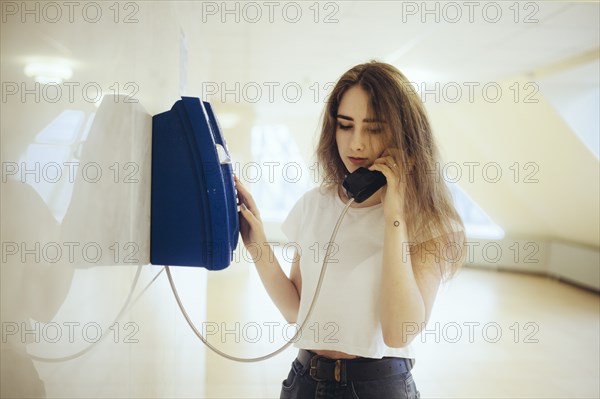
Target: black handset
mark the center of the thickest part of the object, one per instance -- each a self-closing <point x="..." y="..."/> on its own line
<point x="362" y="183"/>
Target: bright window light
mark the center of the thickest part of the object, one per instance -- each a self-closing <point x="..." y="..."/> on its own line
<point x="281" y="174"/>
<point x="54" y="146"/>
<point x="477" y="223"/>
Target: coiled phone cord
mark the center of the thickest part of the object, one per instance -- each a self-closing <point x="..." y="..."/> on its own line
<point x="298" y="331"/>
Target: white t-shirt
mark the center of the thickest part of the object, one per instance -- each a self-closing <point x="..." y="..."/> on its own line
<point x="346" y="316"/>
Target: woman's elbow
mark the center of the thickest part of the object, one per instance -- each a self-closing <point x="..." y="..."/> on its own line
<point x="401" y="337"/>
<point x="397" y="340"/>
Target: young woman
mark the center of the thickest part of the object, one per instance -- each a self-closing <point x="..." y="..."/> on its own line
<point x="390" y="255"/>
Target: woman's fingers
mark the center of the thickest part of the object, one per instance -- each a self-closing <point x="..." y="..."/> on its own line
<point x="251" y="227"/>
<point x="383" y="168"/>
<point x="247" y="224"/>
<point x="246" y="198"/>
<point x="248" y="207"/>
<point x="391" y="172"/>
<point x="247" y="214"/>
<point x="389" y="156"/>
<point x="388" y="160"/>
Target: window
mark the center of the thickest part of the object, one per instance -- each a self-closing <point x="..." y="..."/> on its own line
<point x="477" y="223"/>
<point x="278" y="171"/>
<point x="46" y="161"/>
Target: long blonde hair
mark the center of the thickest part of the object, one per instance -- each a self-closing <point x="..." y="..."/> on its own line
<point x="428" y="206"/>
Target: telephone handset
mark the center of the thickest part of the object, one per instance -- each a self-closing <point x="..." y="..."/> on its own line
<point x="362" y="183"/>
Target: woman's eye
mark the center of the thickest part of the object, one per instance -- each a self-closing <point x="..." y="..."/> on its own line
<point x="344" y="127"/>
<point x="375" y="130"/>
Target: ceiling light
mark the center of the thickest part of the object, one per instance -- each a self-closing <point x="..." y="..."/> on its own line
<point x="48" y="71"/>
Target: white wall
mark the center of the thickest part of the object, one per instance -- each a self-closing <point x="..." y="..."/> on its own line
<point x="559" y="213"/>
<point x="58" y="303"/>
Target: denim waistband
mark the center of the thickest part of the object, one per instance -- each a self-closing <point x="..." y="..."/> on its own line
<point x="322" y="368"/>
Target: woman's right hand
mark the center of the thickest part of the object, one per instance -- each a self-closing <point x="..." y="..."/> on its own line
<point x="251" y="227"/>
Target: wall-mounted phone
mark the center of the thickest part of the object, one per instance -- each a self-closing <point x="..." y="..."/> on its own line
<point x="194" y="219"/>
<point x="362" y="183"/>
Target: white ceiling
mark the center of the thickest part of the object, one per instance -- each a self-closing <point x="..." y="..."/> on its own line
<point x="304" y="52"/>
<point x="307" y="54"/>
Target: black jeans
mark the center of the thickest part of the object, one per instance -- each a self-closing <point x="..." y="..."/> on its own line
<point x="299" y="384"/>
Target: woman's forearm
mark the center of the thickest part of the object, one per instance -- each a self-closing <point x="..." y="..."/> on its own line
<point x="279" y="287"/>
<point x="402" y="305"/>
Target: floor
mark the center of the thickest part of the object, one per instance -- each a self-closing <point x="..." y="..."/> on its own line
<point x="491" y="335"/>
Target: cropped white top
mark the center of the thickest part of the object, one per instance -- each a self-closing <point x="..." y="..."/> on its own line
<point x="346" y="316"/>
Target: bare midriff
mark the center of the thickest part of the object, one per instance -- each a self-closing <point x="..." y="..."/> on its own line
<point x="334" y="354"/>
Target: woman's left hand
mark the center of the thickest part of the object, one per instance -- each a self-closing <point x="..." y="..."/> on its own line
<point x="393" y="193"/>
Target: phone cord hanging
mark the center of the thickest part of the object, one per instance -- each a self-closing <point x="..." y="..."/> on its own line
<point x="128" y="303"/>
<point x="298" y="332"/>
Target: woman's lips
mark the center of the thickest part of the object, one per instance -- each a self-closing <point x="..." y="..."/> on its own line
<point x="358" y="161"/>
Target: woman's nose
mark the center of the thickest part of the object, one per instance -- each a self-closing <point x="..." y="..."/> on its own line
<point x="358" y="141"/>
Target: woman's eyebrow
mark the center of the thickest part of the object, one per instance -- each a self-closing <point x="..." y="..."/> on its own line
<point x="366" y="120"/>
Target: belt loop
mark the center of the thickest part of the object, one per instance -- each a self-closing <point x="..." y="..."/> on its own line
<point x="340" y="372"/>
<point x="305" y="366"/>
<point x="314" y="368"/>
